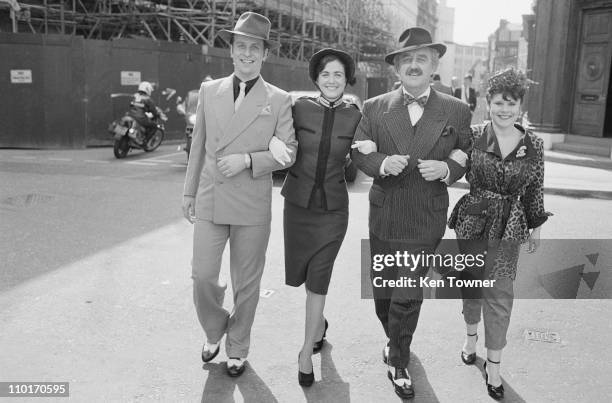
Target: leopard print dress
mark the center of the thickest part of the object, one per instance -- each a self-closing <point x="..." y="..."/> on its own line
<point x="506" y="197"/>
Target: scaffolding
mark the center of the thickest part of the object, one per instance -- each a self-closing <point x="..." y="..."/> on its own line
<point x="301" y="26"/>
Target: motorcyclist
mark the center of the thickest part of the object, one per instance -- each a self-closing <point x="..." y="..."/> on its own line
<point x="142" y="105"/>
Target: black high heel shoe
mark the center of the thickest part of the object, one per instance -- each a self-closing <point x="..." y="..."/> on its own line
<point x="469" y="359"/>
<point x="496" y="392"/>
<point x="318" y="345"/>
<point x="304" y="378"/>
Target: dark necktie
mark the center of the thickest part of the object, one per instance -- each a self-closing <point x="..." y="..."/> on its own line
<point x="408" y="99"/>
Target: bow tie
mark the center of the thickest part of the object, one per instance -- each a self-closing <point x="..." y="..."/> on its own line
<point x="408" y="99"/>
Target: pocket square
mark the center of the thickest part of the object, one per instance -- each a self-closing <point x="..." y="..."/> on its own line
<point x="266" y="111"/>
<point x="448" y="130"/>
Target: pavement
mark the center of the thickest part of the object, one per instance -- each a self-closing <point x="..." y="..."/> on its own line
<point x="118" y="322"/>
<point x="573" y="175"/>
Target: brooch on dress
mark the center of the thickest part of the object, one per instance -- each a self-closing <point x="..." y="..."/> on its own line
<point x="520" y="153"/>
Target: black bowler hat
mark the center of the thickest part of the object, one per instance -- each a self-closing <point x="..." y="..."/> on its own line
<point x="345" y="58"/>
<point x="253" y="25"/>
<point x="415" y="38"/>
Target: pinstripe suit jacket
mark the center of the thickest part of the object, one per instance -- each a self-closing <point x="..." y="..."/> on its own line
<point x="407" y="207"/>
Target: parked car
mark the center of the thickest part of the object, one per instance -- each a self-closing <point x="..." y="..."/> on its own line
<point x="350" y="170"/>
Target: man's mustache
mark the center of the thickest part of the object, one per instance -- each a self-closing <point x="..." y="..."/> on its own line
<point x="414" y="71"/>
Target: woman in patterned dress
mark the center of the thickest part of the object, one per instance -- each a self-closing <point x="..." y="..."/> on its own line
<point x="506" y="176"/>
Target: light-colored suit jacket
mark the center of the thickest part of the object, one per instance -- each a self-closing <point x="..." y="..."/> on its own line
<point x="244" y="199"/>
<point x="407" y="207"/>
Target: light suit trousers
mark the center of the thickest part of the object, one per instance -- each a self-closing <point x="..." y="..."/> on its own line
<point x="248" y="244"/>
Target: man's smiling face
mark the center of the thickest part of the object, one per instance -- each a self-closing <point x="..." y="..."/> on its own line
<point x="248" y="55"/>
<point x="415" y="69"/>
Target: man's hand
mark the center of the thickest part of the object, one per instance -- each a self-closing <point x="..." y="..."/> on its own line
<point x="395" y="164"/>
<point x="365" y="146"/>
<point x="279" y="151"/>
<point x="189" y="208"/>
<point x="458" y="156"/>
<point x="231" y="165"/>
<point x="432" y="170"/>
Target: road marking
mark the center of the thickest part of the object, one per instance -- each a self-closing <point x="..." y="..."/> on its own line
<point x="60" y="159"/>
<point x="22" y="157"/>
<point x="179" y="165"/>
<point x="98" y="161"/>
<point x="265" y="293"/>
<point x="140" y="163"/>
<point x="162" y="156"/>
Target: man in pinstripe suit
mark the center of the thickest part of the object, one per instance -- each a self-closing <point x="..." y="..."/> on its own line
<point x="405" y="141"/>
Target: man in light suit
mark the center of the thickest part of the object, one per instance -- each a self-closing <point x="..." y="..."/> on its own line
<point x="404" y="141"/>
<point x="228" y="187"/>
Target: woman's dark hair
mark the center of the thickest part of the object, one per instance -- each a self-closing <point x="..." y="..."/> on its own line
<point x="511" y="83"/>
<point x="330" y="58"/>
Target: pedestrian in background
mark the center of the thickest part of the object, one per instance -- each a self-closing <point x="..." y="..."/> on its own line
<point x="438" y="86"/>
<point x="454" y="84"/>
<point x="506" y="176"/>
<point x="316" y="198"/>
<point x="466" y="93"/>
<point x="228" y="187"/>
<point x="412" y="132"/>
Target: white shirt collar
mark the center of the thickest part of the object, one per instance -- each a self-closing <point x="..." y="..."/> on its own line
<point x="425" y="93"/>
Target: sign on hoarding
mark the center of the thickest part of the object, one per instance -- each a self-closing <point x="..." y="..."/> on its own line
<point x="130" y="78"/>
<point x="21" y="76"/>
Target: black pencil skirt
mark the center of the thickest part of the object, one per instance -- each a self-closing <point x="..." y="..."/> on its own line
<point x="313" y="237"/>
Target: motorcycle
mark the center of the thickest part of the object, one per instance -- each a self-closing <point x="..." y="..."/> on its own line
<point x="129" y="134"/>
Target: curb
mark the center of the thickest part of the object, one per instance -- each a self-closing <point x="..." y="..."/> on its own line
<point x="575" y="193"/>
<point x="598" y="163"/>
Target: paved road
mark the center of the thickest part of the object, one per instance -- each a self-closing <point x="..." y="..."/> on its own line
<point x="95" y="290"/>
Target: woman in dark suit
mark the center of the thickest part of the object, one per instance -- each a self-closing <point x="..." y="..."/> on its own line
<point x="316" y="198"/>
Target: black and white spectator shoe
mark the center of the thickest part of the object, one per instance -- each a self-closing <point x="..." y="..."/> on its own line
<point x="400" y="378"/>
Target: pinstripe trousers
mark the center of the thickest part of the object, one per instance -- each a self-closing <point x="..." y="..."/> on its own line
<point x="398" y="308"/>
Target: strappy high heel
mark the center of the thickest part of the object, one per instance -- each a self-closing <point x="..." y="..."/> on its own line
<point x="469" y="359"/>
<point x="496" y="392"/>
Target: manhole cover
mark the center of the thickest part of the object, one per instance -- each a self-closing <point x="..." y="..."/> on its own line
<point x="29" y="200"/>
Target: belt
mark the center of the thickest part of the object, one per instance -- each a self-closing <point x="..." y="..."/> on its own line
<point x="488" y="194"/>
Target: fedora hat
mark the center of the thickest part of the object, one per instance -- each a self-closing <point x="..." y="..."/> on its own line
<point x="252" y="25"/>
<point x="345" y="58"/>
<point x="413" y="39"/>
